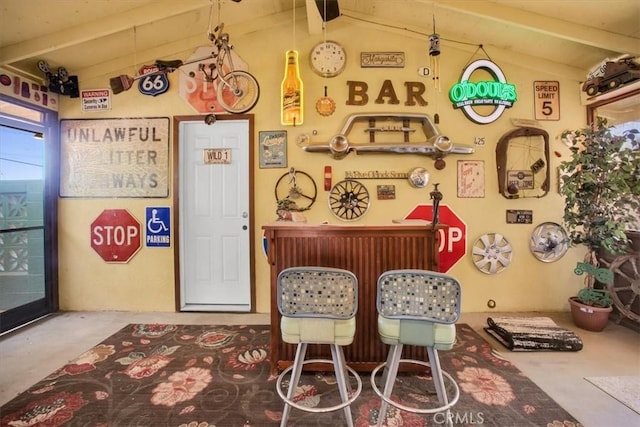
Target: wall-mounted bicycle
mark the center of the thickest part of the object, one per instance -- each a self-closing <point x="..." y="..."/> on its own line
<point x="237" y="91"/>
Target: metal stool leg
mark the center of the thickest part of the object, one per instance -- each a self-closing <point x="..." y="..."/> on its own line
<point x="389" y="377"/>
<point x="436" y="373"/>
<point x="438" y="380"/>
<point x="301" y="350"/>
<point x="342" y="380"/>
<point x="343" y="362"/>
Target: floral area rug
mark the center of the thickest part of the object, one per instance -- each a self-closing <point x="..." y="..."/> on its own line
<point x="205" y="376"/>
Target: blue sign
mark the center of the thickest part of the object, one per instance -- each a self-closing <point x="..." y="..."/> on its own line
<point x="158" y="224"/>
<point x="154" y="81"/>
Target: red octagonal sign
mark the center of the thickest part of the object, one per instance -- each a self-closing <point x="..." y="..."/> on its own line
<point x="115" y="235"/>
<point x="453" y="240"/>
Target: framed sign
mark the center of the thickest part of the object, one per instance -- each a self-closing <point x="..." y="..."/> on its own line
<point x="114" y="157"/>
<point x="273" y="149"/>
<point x="470" y="178"/>
<point x="386" y="192"/>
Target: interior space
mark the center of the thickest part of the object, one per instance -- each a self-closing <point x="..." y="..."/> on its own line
<point x="164" y="163"/>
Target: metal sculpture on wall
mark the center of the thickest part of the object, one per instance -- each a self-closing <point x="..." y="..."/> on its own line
<point x="61" y="82"/>
<point x="298" y="188"/>
<point x="522" y="158"/>
<point x="419" y="136"/>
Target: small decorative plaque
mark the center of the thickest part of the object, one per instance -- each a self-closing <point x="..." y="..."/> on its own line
<point x="382" y="59"/>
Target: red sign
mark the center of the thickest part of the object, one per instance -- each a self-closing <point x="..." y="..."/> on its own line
<point x="453" y="240"/>
<point x="115" y="235"/>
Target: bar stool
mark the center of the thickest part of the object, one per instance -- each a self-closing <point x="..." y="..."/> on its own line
<point x="416" y="307"/>
<point x="318" y="306"/>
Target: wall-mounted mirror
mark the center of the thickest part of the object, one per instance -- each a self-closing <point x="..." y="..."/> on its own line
<point x="522" y="157"/>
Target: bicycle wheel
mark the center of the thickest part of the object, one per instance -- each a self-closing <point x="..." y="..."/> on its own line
<point x="238" y="92"/>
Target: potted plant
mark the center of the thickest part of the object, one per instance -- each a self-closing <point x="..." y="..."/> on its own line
<point x="601" y="187"/>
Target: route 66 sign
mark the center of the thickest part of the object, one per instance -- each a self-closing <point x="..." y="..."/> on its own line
<point x="153" y="83"/>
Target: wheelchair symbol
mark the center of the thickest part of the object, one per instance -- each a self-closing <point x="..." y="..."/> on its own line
<point x="155" y="224"/>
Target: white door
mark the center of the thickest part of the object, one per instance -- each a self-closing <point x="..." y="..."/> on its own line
<point x="214" y="217"/>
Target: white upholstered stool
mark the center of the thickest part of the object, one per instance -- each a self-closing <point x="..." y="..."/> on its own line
<point x="318" y="306"/>
<point x="416" y="307"/>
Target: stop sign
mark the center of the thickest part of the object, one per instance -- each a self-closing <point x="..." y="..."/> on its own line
<point x="115" y="235"/>
<point x="453" y="240"/>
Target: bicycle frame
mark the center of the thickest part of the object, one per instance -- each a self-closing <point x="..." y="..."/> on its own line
<point x="215" y="68"/>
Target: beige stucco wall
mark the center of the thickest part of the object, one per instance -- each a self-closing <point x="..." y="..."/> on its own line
<point x="146" y="283"/>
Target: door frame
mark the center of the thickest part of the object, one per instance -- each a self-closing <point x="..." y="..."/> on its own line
<point x="176" y="200"/>
<point x="24" y="314"/>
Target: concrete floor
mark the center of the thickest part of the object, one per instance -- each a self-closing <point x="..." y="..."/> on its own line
<point x="30" y="353"/>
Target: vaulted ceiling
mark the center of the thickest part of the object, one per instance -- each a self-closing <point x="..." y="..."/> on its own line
<point x="97" y="37"/>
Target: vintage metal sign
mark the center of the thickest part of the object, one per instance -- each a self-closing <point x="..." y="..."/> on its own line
<point x="153" y="83"/>
<point x="216" y="156"/>
<point x="382" y="59"/>
<point x="95" y="100"/>
<point x="547" y="100"/>
<point x="471" y="178"/>
<point x="115" y="235"/>
<point x="158" y="226"/>
<point x="114" y="157"/>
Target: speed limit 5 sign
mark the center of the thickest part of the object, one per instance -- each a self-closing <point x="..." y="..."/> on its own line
<point x="547" y="100"/>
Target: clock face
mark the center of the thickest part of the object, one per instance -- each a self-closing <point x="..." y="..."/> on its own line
<point x="328" y="58"/>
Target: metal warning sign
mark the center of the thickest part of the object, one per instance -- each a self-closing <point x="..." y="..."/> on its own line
<point x="96" y="100"/>
<point x="547" y="100"/>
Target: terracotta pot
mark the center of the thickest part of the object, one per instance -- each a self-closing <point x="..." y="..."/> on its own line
<point x="588" y="317"/>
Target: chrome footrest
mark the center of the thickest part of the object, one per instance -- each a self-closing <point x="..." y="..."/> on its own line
<point x="342" y="405"/>
<point x="442" y="408"/>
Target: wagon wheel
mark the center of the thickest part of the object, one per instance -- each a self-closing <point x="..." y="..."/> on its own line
<point x="625" y="287"/>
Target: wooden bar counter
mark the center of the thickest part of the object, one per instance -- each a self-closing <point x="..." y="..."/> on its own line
<point x="367" y="251"/>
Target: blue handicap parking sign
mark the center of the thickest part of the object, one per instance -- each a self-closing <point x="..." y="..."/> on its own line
<point x="158" y="225"/>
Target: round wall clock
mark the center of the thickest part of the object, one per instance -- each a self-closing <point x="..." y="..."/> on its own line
<point x="328" y="58"/>
<point x="348" y="200"/>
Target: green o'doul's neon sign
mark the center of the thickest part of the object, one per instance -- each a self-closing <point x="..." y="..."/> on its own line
<point x="465" y="94"/>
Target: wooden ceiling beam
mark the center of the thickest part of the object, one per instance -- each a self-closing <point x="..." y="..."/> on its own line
<point x="555" y="27"/>
<point x="88" y="31"/>
<point x="503" y="55"/>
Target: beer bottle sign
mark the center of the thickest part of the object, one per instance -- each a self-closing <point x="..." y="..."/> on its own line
<point x="292" y="106"/>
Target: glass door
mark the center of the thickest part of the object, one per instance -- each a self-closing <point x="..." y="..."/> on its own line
<point x="28" y="203"/>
